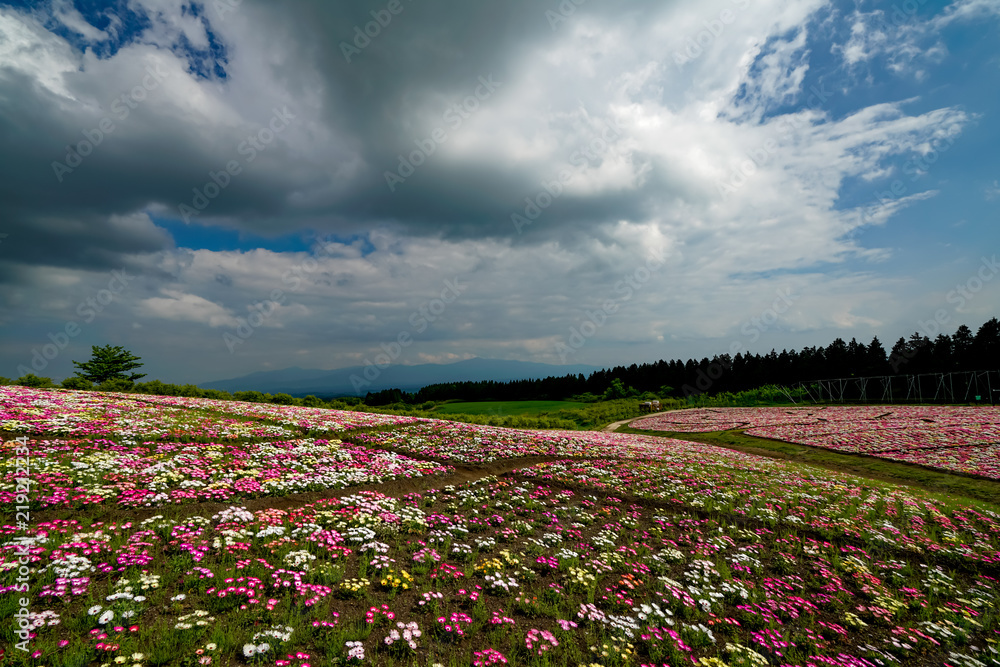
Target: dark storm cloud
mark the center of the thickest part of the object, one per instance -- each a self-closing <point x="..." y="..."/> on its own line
<point x="392" y="94"/>
<point x="420" y="72"/>
<point x="433" y="55"/>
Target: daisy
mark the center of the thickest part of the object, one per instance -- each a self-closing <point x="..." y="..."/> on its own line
<point x="106" y="616"/>
<point x="249" y="650"/>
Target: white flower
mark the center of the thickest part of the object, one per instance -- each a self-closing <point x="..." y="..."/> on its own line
<point x="178" y="597"/>
<point x="137" y="656"/>
<point x="95" y="610"/>
<point x="249" y="650"/>
<point x="263" y="648"/>
<point x="106" y="617"/>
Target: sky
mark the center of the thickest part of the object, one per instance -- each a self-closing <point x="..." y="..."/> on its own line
<point x="234" y="186"/>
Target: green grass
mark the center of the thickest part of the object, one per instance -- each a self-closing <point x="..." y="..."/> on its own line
<point x="507" y="408"/>
<point x="945" y="483"/>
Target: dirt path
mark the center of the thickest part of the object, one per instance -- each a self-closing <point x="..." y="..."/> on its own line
<point x="624" y="422"/>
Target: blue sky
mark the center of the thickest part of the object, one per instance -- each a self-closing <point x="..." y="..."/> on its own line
<point x="263" y="159"/>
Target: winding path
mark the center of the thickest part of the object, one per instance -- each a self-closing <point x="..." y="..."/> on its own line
<point x="614" y="426"/>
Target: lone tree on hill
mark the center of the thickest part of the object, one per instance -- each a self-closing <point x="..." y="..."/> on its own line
<point x="109" y="363"/>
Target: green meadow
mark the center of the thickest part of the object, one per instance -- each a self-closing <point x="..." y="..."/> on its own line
<point x="503" y="408"/>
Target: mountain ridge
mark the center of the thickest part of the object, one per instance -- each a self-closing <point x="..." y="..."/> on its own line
<point x="353" y="381"/>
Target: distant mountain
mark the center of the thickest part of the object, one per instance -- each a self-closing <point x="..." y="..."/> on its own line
<point x="302" y="381"/>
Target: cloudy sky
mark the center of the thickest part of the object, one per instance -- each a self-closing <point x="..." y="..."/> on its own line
<point x="238" y="185"/>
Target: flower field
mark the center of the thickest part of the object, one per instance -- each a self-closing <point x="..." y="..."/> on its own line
<point x="615" y="550"/>
<point x="78" y="473"/>
<point x="79" y="413"/>
<point x="956" y="439"/>
<point x="474" y="443"/>
<point x="313" y="420"/>
<point x="82" y="413"/>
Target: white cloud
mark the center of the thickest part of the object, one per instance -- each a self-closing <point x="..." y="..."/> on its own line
<point x="180" y="307"/>
<point x="27" y="48"/>
<point x="993" y="190"/>
<point x="69" y="16"/>
<point x="908" y="36"/>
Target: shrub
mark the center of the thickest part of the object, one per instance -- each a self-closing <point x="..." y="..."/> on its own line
<point x="77" y="382"/>
<point x="250" y="396"/>
<point x="116" y="384"/>
<point x="32" y="380"/>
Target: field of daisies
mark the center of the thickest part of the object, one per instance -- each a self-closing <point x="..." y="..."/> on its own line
<point x="145" y="531"/>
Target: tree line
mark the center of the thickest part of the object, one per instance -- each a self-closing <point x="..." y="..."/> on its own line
<point x="963" y="350"/>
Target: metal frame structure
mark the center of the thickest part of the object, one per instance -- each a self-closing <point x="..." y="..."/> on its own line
<point x="956" y="387"/>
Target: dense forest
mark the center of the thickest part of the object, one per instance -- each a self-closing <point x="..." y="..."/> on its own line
<point x="963" y="350"/>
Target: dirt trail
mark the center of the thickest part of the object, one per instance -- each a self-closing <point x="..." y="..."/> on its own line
<point x="624" y="422"/>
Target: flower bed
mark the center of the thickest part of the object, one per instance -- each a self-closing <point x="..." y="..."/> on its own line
<point x="76" y="473"/>
<point x="901" y="433"/>
<point x="474" y="443"/>
<point x="587" y="581"/>
<point x="109" y="415"/>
